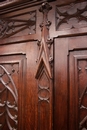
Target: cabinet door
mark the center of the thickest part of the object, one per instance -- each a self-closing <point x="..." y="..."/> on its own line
<point x="71" y="83"/>
<point x="78" y="83"/>
<point x="18" y="88"/>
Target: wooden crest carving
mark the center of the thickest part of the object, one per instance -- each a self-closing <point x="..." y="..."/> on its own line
<point x="44" y="57"/>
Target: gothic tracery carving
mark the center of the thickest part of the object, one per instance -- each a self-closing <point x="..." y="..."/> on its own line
<point x="10" y="108"/>
<point x="18" y="25"/>
<point x="82" y="96"/>
<point x="71" y="16"/>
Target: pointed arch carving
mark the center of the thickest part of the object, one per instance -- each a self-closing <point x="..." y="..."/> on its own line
<point x="11" y="87"/>
<point x="8" y="86"/>
<point x="44" y="56"/>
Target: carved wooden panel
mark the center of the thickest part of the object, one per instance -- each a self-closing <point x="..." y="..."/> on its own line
<point x="8" y="99"/>
<point x="78" y="90"/>
<point x="11" y="90"/>
<point x="20" y="25"/>
<point x="70" y="101"/>
<point x="82" y="77"/>
<point x="71" y="16"/>
<point x="44" y="101"/>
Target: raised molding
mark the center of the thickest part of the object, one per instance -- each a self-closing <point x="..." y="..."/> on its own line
<point x="80" y="91"/>
<point x="82" y="94"/>
<point x="8" y="88"/>
<point x="11" y="106"/>
<point x="14" y="5"/>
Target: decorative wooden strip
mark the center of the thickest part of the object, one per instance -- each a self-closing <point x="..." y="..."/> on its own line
<point x="82" y="90"/>
<point x="44" y="72"/>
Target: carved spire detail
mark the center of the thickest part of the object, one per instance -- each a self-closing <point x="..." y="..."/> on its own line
<point x="44" y="57"/>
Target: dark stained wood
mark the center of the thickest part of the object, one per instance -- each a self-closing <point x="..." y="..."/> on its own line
<point x="61" y="84"/>
<point x="43" y="65"/>
<point x="31" y="89"/>
<point x="70" y="83"/>
<point x="26" y="84"/>
<point x="77" y="72"/>
<point x="44" y="73"/>
<point x="12" y="65"/>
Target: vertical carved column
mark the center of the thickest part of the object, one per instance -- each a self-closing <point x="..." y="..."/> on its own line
<point x="44" y="73"/>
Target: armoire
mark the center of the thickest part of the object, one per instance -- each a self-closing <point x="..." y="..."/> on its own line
<point x="43" y="65"/>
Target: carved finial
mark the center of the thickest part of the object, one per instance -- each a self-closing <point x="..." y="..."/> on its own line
<point x="45" y="7"/>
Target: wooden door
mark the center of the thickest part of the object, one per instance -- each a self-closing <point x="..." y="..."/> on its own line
<point x="78" y="83"/>
<point x="18" y="88"/>
<point x="71" y="83"/>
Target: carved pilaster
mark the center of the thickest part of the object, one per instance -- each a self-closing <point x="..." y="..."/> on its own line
<point x="44" y="72"/>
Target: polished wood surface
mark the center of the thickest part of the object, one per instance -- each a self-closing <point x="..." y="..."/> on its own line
<point x="43" y="65"/>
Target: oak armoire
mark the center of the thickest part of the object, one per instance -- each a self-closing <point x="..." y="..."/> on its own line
<point x="43" y="65"/>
